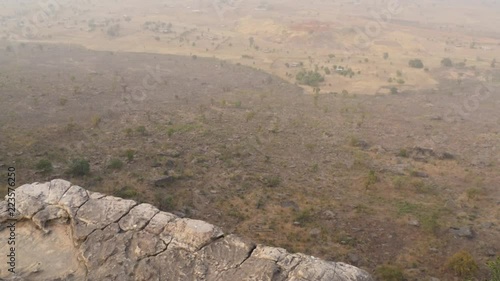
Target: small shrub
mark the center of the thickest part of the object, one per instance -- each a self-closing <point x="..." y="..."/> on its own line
<point x="407" y="208"/>
<point x="170" y="132"/>
<point x="96" y="121"/>
<point x="403" y="153"/>
<point x="113" y="30"/>
<point x="356" y="142"/>
<point x="389" y="273"/>
<point x="44" y="166"/>
<point x="371" y="179"/>
<point x="272" y="181"/>
<point x="63" y="101"/>
<point x="399" y="181"/>
<point x="462" y="264"/>
<point x="250" y="115"/>
<point x="79" y="167"/>
<point x="494" y="267"/>
<point x="115" y="164"/>
<point x="130" y="153"/>
<point x="128" y="132"/>
<point x="303" y="217"/>
<point x="166" y="204"/>
<point x="70" y="127"/>
<point x="126" y="192"/>
<point x="394" y="90"/>
<point x="430" y="223"/>
<point x="473" y="193"/>
<point x="141" y="130"/>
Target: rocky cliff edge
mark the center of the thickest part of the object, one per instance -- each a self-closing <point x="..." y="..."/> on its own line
<point x="64" y="232"/>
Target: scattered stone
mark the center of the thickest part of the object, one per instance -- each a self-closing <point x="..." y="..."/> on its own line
<point x="446" y="156"/>
<point x="170" y="164"/>
<point x="419" y="174"/>
<point x="378" y="149"/>
<point x="328" y="215"/>
<point x="164" y="182"/>
<point x="353" y="258"/>
<point x="414" y="222"/>
<point x="174" y="153"/>
<point x="487" y="225"/>
<point x="179" y="214"/>
<point x="290" y="204"/>
<point x="491" y="252"/>
<point x="315" y="232"/>
<point x="464" y="231"/>
<point x="361" y="144"/>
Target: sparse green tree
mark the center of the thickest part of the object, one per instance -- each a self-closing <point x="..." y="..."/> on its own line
<point x="416" y="63"/>
<point x="446" y="62"/>
<point x="79" y="167"/>
<point x="310" y="78"/>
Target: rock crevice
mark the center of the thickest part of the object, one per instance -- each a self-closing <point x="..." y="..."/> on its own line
<point x="70" y="233"/>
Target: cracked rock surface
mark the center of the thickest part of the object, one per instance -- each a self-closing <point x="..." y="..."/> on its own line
<point x="64" y="232"/>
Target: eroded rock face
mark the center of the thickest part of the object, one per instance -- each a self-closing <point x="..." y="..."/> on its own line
<point x="64" y="232"/>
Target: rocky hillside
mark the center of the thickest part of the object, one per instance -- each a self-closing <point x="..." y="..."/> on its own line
<point x="64" y="232"/>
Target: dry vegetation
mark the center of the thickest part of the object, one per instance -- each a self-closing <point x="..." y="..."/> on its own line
<point x="273" y="127"/>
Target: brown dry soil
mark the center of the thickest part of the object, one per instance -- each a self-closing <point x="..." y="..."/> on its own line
<point x="341" y="177"/>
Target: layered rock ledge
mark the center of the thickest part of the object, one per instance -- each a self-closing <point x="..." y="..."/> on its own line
<point x="64" y="232"/>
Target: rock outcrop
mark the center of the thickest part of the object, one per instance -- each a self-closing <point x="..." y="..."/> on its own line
<point x="64" y="232"/>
